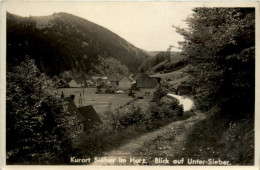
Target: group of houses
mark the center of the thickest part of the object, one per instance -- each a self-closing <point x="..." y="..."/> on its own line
<point x="68" y="82"/>
<point x="137" y="85"/>
<point x="78" y="82"/>
<point x="86" y="116"/>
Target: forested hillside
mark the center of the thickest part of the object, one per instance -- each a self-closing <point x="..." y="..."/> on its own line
<point x="62" y="41"/>
<point x="163" y="62"/>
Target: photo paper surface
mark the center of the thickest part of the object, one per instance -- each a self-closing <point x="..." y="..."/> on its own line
<point x="126" y="84"/>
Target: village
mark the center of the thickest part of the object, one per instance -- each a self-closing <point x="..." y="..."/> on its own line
<point x="87" y="83"/>
<point x="88" y="98"/>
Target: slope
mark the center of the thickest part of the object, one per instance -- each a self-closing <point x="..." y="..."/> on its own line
<point x="62" y="41"/>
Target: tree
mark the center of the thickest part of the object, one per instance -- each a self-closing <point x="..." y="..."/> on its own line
<point x="160" y="91"/>
<point x="220" y="43"/>
<point x="113" y="68"/>
<point x="38" y="125"/>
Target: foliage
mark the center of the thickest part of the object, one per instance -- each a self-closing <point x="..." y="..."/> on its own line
<point x="217" y="137"/>
<point x="70" y="42"/>
<point x="112" y="68"/>
<point x="171" y="66"/>
<point x="125" y="117"/>
<point x="165" y="108"/>
<point x="161" y="90"/>
<point x="38" y="126"/>
<point x="163" y="62"/>
<point x="220" y="43"/>
<point x="243" y="131"/>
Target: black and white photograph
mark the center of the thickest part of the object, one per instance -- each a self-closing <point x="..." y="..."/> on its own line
<point x="129" y="83"/>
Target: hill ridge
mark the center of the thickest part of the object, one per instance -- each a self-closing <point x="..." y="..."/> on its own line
<point x="68" y="39"/>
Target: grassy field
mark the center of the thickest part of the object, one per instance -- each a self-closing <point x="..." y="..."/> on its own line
<point x="100" y="102"/>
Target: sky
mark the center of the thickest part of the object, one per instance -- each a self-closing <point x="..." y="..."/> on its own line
<point x="147" y="25"/>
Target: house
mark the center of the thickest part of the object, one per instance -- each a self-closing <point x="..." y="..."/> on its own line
<point x="89" y="82"/>
<point x="145" y="86"/>
<point x="86" y="117"/>
<point x="55" y="79"/>
<point x="111" y="90"/>
<point x="114" y="80"/>
<point x="134" y="91"/>
<point x="62" y="83"/>
<point x="91" y="117"/>
<point x="73" y="110"/>
<point x="67" y="80"/>
<point x="99" y="79"/>
<point x="184" y="89"/>
<point x="140" y="76"/>
<point x="78" y="82"/>
<point x="125" y="83"/>
<point x="102" y="87"/>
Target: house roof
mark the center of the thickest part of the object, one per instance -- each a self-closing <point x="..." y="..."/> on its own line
<point x="73" y="110"/>
<point x="79" y="80"/>
<point x="133" y="87"/>
<point x="67" y="80"/>
<point x="62" y="81"/>
<point x="183" y="88"/>
<point x="115" y="78"/>
<point x="140" y="76"/>
<point x="125" y="78"/>
<point x="146" y="83"/>
<point x="55" y="79"/>
<point x="90" y="115"/>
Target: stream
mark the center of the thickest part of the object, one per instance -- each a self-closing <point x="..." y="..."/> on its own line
<point x="187" y="103"/>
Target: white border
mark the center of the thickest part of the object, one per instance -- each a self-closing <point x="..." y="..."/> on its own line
<point x="197" y="3"/>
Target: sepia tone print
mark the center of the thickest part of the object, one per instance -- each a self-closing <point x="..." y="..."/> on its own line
<point x="78" y="93"/>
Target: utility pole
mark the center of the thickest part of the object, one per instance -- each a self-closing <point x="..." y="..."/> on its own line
<point x="80" y="100"/>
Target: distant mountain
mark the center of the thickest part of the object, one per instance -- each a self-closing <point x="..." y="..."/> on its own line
<point x="62" y="41"/>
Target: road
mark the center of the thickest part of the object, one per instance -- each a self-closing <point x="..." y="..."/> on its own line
<point x="187" y="103"/>
<point x="180" y="129"/>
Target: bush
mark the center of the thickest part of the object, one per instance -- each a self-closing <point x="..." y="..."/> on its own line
<point x="165" y="108"/>
<point x="124" y="117"/>
<point x="160" y="91"/>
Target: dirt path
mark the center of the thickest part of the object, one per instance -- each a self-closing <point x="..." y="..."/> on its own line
<point x="180" y="128"/>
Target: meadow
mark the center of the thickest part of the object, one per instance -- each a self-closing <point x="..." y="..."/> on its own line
<point x="100" y="102"/>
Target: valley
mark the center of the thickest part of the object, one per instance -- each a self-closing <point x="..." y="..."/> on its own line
<point x="75" y="90"/>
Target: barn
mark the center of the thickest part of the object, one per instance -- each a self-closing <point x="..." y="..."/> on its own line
<point x="144" y="86"/>
<point x="73" y="110"/>
<point x="91" y="117"/>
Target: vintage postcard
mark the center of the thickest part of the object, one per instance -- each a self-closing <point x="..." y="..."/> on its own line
<point x="120" y="84"/>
